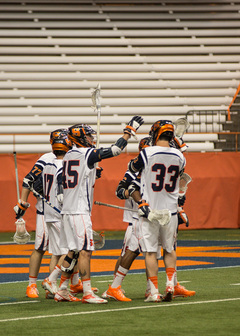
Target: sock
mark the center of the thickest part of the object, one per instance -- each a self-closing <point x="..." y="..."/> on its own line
<point x="87" y="288"/>
<point x="120" y="275"/>
<point x="75" y="278"/>
<point x="55" y="274"/>
<point x="63" y="282"/>
<point x="170" y="276"/>
<point x="175" y="278"/>
<point x="153" y="283"/>
<point x="32" y="280"/>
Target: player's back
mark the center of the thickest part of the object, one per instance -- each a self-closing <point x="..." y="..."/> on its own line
<point x="50" y="190"/>
<point x="78" y="182"/>
<point x="160" y="176"/>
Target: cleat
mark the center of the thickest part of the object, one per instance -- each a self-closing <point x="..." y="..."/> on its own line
<point x="49" y="295"/>
<point x="64" y="295"/>
<point x="92" y="298"/>
<point x="153" y="297"/>
<point x="104" y="295"/>
<point x="50" y="286"/>
<point x="78" y="288"/>
<point x="181" y="291"/>
<point x="32" y="291"/>
<point x="117" y="294"/>
<point x="168" y="295"/>
<point x="147" y="293"/>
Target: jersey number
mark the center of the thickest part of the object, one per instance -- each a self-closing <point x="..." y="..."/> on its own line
<point x="161" y="171"/>
<point x="48" y="182"/>
<point x="69" y="171"/>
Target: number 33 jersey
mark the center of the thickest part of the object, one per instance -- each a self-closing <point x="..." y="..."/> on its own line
<point x="160" y="176"/>
<point x="78" y="182"/>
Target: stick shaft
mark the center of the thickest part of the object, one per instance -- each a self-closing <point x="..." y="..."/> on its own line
<point x="16" y="174"/>
<point x="46" y="201"/>
<point x="114" y="206"/>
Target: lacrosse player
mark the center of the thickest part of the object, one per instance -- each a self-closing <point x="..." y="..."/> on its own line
<point x="79" y="173"/>
<point x="130" y="248"/>
<point x="33" y="180"/>
<point x="52" y="178"/>
<point x="161" y="168"/>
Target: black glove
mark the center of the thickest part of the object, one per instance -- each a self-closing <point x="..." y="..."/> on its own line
<point x="143" y="208"/>
<point x="20" y="208"/>
<point x="133" y="125"/>
<point x="182" y="217"/>
<point x="181" y="200"/>
<point x="99" y="172"/>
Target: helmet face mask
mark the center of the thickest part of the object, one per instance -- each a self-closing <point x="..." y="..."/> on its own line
<point x="161" y="129"/>
<point x="82" y="135"/>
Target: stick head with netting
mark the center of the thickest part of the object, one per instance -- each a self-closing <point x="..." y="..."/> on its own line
<point x="21" y="235"/>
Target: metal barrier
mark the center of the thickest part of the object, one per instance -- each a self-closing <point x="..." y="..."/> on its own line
<point x="206" y="121"/>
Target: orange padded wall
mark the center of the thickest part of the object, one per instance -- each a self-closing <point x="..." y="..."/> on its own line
<point x="213" y="198"/>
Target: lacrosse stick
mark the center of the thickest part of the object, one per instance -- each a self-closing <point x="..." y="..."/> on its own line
<point x="181" y="126"/>
<point x="97" y="108"/>
<point x="114" y="206"/>
<point x="99" y="239"/>
<point x="161" y="217"/>
<point x="21" y="235"/>
<point x="185" y="179"/>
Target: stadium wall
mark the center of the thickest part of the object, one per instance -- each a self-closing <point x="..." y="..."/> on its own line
<point x="213" y="197"/>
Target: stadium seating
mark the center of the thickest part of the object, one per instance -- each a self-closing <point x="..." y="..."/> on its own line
<point x="156" y="59"/>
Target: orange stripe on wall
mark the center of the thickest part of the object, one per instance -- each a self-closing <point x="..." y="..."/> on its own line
<point x="212" y="197"/>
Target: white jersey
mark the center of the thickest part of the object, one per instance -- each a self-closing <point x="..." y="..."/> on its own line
<point x="160" y="177"/>
<point x="41" y="163"/>
<point x="78" y="182"/>
<point x="49" y="175"/>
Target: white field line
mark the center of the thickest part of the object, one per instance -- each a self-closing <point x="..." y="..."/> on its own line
<point x="15" y="303"/>
<point x="237" y="284"/>
<point x="118" y="310"/>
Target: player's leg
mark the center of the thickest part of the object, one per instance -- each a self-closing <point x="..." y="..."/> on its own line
<point x="168" y="236"/>
<point x="50" y="283"/>
<point x="41" y="245"/>
<point x="129" y="253"/>
<point x="149" y="246"/>
<point x="69" y="262"/>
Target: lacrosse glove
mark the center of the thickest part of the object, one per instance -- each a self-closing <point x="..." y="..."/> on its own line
<point x="99" y="172"/>
<point x="143" y="208"/>
<point x="133" y="125"/>
<point x="181" y="200"/>
<point x="21" y="208"/>
<point x="182" y="217"/>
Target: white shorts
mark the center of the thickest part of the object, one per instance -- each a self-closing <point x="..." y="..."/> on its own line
<point x="54" y="239"/>
<point x="41" y="236"/>
<point x="152" y="236"/>
<point x="130" y="241"/>
<point x="76" y="233"/>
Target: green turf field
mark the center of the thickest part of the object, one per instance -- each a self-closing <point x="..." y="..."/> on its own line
<point x="214" y="310"/>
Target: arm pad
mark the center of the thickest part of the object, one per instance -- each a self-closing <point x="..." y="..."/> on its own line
<point x="28" y="181"/>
